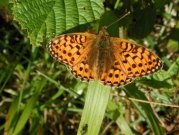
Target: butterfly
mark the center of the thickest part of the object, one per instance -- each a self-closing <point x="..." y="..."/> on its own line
<point x="111" y="60"/>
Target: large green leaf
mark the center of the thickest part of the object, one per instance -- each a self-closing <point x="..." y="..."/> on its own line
<point x="47" y="18"/>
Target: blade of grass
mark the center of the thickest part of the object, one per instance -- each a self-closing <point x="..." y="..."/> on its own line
<point x="29" y="107"/>
<point x="11" y="116"/>
<point x="94" y="109"/>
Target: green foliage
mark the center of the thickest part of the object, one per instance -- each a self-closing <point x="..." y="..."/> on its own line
<point x="47" y="18"/>
<point x="146" y="108"/>
<point x="40" y="96"/>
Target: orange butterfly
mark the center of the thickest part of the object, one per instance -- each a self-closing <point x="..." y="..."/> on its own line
<point x="114" y="61"/>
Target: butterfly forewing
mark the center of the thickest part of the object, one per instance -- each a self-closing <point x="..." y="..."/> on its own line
<point x="137" y="60"/>
<point x="70" y="49"/>
<point x="113" y="61"/>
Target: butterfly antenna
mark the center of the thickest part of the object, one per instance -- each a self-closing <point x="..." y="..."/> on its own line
<point x="119" y="18"/>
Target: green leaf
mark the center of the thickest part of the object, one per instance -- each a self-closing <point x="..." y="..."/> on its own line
<point x="174" y="68"/>
<point x="173" y="45"/>
<point x="161" y="3"/>
<point x="47" y="18"/>
<point x="94" y="109"/>
<point x="143" y="22"/>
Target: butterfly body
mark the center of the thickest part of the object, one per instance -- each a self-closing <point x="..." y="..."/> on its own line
<point x="113" y="61"/>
